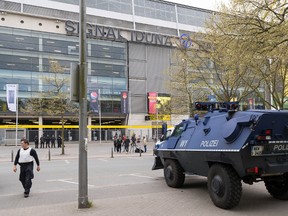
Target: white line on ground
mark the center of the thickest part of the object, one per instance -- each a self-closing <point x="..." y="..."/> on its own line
<point x="136" y="175"/>
<point x="53" y="180"/>
<point x="66" y="181"/>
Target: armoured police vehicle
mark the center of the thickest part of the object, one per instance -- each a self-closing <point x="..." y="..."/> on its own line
<point x="228" y="147"/>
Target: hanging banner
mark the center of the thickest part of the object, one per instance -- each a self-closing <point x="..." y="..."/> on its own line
<point x="152" y="102"/>
<point x="94" y="103"/>
<point x="11" y="96"/>
<point x="163" y="108"/>
<point x="124" y="102"/>
<point x="251" y="103"/>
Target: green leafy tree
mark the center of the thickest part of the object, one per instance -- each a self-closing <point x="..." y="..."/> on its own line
<point x="213" y="69"/>
<point x="252" y="35"/>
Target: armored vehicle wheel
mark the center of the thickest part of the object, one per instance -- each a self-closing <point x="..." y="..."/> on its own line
<point x="278" y="187"/>
<point x="173" y="173"/>
<point x="224" y="186"/>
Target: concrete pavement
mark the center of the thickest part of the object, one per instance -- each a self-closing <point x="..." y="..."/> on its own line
<point x="94" y="149"/>
<point x="146" y="198"/>
<point x="130" y="204"/>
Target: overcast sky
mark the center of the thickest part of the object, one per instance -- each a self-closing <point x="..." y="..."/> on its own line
<point x="207" y="4"/>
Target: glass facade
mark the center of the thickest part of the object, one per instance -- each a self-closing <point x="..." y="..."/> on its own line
<point x="152" y="9"/>
<point x="25" y="55"/>
<point x="192" y="17"/>
<point x="25" y="58"/>
<point x="120" y="6"/>
<point x="156" y="10"/>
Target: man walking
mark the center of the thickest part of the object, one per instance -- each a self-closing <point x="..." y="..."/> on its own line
<point x="24" y="158"/>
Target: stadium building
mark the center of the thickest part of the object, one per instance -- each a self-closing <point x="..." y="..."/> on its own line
<point x="130" y="45"/>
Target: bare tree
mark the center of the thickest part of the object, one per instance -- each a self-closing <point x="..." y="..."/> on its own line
<point x="58" y="95"/>
<point x="184" y="85"/>
<point x="54" y="99"/>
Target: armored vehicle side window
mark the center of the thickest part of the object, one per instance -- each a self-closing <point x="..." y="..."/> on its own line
<point x="168" y="133"/>
<point x="178" y="130"/>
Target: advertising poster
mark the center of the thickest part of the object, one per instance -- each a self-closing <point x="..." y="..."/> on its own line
<point x="152" y="102"/>
<point x="11" y="96"/>
<point x="94" y="103"/>
<point x="124" y="102"/>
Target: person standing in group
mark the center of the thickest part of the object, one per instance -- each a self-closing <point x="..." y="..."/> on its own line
<point x="47" y="141"/>
<point x="133" y="143"/>
<point x="144" y="143"/>
<point x="119" y="142"/>
<point x="59" y="141"/>
<point x="42" y="140"/>
<point x="53" y="141"/>
<point x="123" y="142"/>
<point x="126" y="144"/>
<point x="115" y="142"/>
<point x="36" y="141"/>
<point x="25" y="158"/>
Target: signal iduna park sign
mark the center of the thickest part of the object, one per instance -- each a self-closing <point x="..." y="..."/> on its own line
<point x="109" y="33"/>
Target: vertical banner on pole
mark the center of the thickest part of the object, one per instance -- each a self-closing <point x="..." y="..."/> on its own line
<point x="11" y="96"/>
<point x="12" y="103"/>
<point x="124" y="102"/>
<point x="94" y="101"/>
<point x="251" y="103"/>
<point x="152" y="102"/>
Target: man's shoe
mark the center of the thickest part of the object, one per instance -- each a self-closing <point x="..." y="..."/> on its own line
<point x="26" y="194"/>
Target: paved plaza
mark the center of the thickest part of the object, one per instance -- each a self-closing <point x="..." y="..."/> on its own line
<point x="123" y="185"/>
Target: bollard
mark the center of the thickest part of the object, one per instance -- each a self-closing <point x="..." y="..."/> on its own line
<point x="12" y="153"/>
<point x="49" y="155"/>
<point x="112" y="152"/>
<point x="140" y="151"/>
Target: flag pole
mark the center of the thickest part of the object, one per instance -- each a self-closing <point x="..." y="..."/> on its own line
<point x="16" y="115"/>
<point x="100" y="133"/>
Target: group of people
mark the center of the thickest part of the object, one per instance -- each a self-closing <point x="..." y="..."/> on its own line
<point x="124" y="142"/>
<point x="47" y="140"/>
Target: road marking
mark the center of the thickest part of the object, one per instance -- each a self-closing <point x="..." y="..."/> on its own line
<point x="53" y="180"/>
<point x="100" y="159"/>
<point x="66" y="161"/>
<point x="66" y="181"/>
<point x="137" y="175"/>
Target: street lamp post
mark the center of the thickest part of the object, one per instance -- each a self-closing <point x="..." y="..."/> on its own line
<point x="83" y="171"/>
<point x="268" y="86"/>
